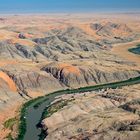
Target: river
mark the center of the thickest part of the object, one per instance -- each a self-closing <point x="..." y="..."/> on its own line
<point x="33" y="115"/>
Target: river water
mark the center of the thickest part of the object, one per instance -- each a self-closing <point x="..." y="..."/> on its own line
<point x="33" y="117"/>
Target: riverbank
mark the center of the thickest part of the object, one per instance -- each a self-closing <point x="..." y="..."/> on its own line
<point x="107" y="114"/>
<point x="23" y="124"/>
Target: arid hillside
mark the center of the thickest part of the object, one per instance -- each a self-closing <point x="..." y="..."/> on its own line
<point x="105" y="115"/>
<point x="40" y="54"/>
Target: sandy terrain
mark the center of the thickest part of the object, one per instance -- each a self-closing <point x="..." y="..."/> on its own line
<point x="97" y="116"/>
<point x="23" y="60"/>
<point x="122" y="51"/>
<point x="7" y="62"/>
<point x="9" y="81"/>
<point x="9" y="112"/>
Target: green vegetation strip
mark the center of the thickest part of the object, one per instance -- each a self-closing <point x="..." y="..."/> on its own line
<point x="10" y="123"/>
<point x="22" y="125"/>
<point x="48" y="111"/>
<point x="40" y="102"/>
<point x="135" y="50"/>
<point x="130" y="81"/>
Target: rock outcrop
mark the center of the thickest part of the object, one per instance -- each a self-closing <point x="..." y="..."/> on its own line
<point x="110" y="29"/>
<point x="15" y="51"/>
<point x="108" y="115"/>
<point x="42" y="54"/>
<point x="82" y="75"/>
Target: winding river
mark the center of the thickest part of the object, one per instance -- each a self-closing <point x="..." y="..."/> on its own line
<point x="33" y="115"/>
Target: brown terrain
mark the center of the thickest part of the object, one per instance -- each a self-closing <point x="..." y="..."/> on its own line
<point x="44" y="53"/>
<point x="121" y="50"/>
<point x="107" y="115"/>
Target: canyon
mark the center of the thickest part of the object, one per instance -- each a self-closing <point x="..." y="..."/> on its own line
<point x="40" y="54"/>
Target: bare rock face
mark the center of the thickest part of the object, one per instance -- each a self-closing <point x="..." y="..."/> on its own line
<point x="73" y="76"/>
<point x="65" y="73"/>
<point x="107" y="115"/>
<point x="110" y="29"/>
<point x="22" y="36"/>
<point x="132" y="106"/>
<point x="112" y="32"/>
<point x="8" y="99"/>
<point x="57" y="53"/>
<point x="15" y="51"/>
<point x="8" y="93"/>
<point x="62" y="44"/>
<point x="96" y="26"/>
<point x="35" y="80"/>
<point x="54" y="46"/>
<point x="84" y="61"/>
<point x="66" y="42"/>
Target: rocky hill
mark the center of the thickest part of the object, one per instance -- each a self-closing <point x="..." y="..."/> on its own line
<point x="62" y="59"/>
<point x="108" y="115"/>
<point x="42" y="54"/>
<point x="62" y="44"/>
<point x="75" y="75"/>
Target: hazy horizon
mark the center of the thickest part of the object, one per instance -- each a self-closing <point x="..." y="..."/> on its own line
<point x="62" y="6"/>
